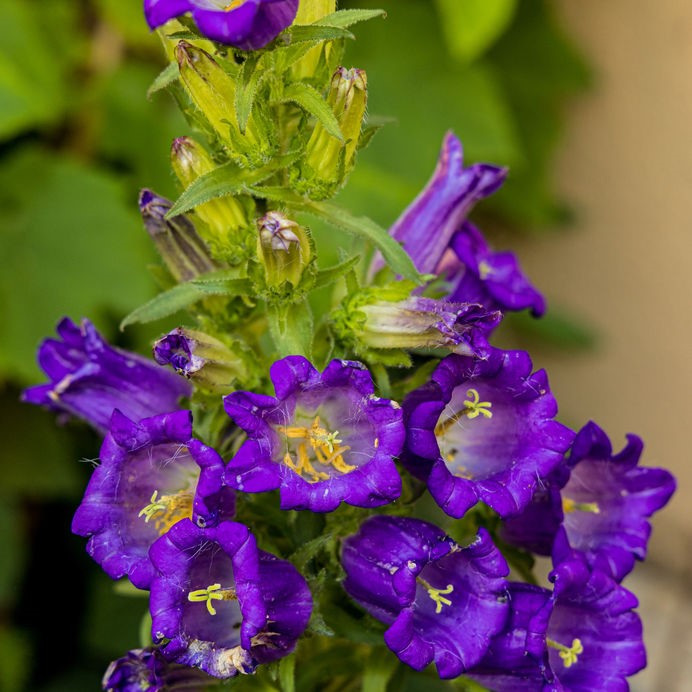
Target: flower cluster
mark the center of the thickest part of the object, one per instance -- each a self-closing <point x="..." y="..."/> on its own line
<point x="276" y="431"/>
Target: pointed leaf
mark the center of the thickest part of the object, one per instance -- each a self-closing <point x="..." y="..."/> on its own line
<point x="345" y="18"/>
<point x="250" y="80"/>
<point x="396" y="257"/>
<point x="287" y="674"/>
<point x="167" y="76"/>
<point x="324" y="31"/>
<point x="225" y="180"/>
<point x="310" y="100"/>
<point x="177" y="298"/>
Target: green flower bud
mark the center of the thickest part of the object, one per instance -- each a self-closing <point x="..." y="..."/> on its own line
<point x="328" y="160"/>
<point x="310" y="11"/>
<point x="224" y="216"/>
<point x="283" y="249"/>
<point x="213" y="91"/>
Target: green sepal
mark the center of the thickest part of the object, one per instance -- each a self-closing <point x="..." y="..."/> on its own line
<point x="311" y="101"/>
<point x="325" y="277"/>
<point x="318" y="32"/>
<point x="249" y="82"/>
<point x="372" y="126"/>
<point x="291" y="327"/>
<point x="346" y="18"/>
<point x="165" y="78"/>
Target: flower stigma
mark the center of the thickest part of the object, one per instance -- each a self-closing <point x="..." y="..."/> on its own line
<point x="436" y="594"/>
<point x="213" y="592"/>
<point x="569" y="655"/>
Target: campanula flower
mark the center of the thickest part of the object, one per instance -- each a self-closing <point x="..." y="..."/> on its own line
<point x="245" y="24"/>
<point x="483" y="430"/>
<point x="152" y="474"/>
<point x="222" y="605"/>
<point x="325" y="438"/>
<point x="442" y="602"/>
<point x="90" y="379"/>
<point x="603" y="500"/>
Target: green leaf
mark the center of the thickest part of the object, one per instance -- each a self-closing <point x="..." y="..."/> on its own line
<point x="310" y="100"/>
<point x="167" y="76"/>
<point x="378" y="670"/>
<point x="345" y="18"/>
<point x="287" y="674"/>
<point x="226" y="180"/>
<point x="315" y="33"/>
<point x="472" y="26"/>
<point x="177" y="298"/>
<point x="250" y="80"/>
<point x="291" y="327"/>
<point x="395" y="256"/>
<point x="331" y="274"/>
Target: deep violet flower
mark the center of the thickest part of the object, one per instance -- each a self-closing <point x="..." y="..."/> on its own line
<point x="493" y="279"/>
<point x="89" y="378"/>
<point x="426" y="227"/>
<point x="152" y="474"/>
<point x="325" y="438"/>
<point x="223" y="605"/>
<point x="604" y="501"/>
<point x="483" y="430"/>
<point x="583" y="636"/>
<point x="442" y="602"/>
<point x="245" y="24"/>
<point x="146" y="670"/>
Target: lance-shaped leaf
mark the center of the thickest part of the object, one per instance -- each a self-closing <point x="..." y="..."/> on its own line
<point x="315" y="33"/>
<point x="346" y="18"/>
<point x="167" y="76"/>
<point x="250" y="80"/>
<point x="311" y="101"/>
<point x="331" y="274"/>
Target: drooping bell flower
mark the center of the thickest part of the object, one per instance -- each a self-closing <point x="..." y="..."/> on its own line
<point x="442" y="602"/>
<point x="90" y="379"/>
<point x="379" y="321"/>
<point x="245" y="24"/>
<point x="324" y="439"/>
<point x="152" y="474"/>
<point x="483" y="430"/>
<point x="146" y="670"/>
<point x="604" y="502"/>
<point x="493" y="279"/>
<point x="426" y="227"/>
<point x="222" y="605"/>
<point x="583" y="636"/>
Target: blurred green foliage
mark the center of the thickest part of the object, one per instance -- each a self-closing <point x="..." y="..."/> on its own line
<point x="78" y="138"/>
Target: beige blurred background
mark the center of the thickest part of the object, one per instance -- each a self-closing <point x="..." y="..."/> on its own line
<point x="625" y="166"/>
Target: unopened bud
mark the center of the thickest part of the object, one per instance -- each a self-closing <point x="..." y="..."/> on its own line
<point x="329" y="160"/>
<point x="213" y="91"/>
<point x="201" y="358"/>
<point x="283" y="248"/>
<point x="176" y="240"/>
<point x="310" y="11"/>
<point x="223" y="216"/>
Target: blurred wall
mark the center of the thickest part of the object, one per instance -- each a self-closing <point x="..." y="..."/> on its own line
<point x="626" y="167"/>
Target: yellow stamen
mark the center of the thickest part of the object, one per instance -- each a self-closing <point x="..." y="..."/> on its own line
<point x="436" y="594"/>
<point x="569" y="655"/>
<point x="570" y="505"/>
<point x="234" y="5"/>
<point x="326" y="446"/>
<point x="173" y="508"/>
<point x="213" y="592"/>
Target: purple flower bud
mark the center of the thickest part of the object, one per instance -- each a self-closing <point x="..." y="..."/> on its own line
<point x="442" y="602"/>
<point x="152" y="474"/>
<point x="484" y="430"/>
<point x="221" y="604"/>
<point x="182" y="250"/>
<point x="90" y="379"/>
<point x="325" y="438"/>
<point x="245" y="24"/>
